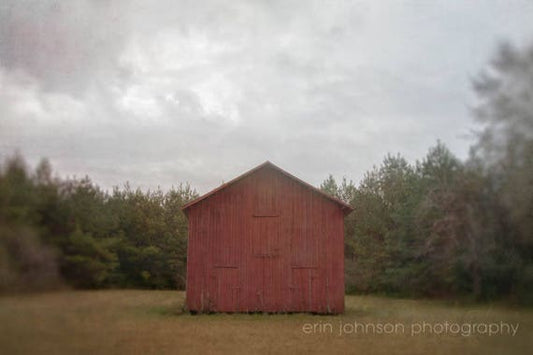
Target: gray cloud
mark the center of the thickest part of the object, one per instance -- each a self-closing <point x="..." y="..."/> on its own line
<point x="168" y="91"/>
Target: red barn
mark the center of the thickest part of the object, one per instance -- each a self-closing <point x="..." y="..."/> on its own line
<point x="266" y="241"/>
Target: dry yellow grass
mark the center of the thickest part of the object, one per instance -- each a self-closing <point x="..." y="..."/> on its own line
<point x="151" y="322"/>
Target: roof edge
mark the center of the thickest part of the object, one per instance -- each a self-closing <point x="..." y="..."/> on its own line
<point x="344" y="206"/>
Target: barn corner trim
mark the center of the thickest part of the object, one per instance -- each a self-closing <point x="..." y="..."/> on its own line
<point x="346" y="208"/>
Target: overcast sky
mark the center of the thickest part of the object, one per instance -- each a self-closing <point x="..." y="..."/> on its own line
<point x="162" y="92"/>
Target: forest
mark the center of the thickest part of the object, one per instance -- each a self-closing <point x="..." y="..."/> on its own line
<point x="438" y="227"/>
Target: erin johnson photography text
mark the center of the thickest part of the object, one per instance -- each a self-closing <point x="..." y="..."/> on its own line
<point x="445" y="328"/>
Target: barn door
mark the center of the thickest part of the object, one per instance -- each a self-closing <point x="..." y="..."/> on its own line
<point x="266" y="262"/>
<point x="228" y="289"/>
<point x="304" y="289"/>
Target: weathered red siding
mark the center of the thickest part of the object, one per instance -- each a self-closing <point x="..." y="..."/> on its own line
<point x="266" y="242"/>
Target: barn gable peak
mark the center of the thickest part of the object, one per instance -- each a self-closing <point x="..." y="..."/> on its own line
<point x="346" y="208"/>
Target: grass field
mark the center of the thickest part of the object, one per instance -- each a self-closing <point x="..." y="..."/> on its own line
<point x="140" y="322"/>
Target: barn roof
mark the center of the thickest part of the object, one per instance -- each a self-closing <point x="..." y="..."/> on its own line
<point x="344" y="206"/>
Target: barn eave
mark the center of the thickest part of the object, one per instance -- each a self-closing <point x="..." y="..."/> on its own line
<point x="346" y="208"/>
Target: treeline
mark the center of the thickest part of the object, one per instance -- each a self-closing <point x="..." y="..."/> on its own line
<point x="443" y="227"/>
<point x="55" y="230"/>
<point x="439" y="227"/>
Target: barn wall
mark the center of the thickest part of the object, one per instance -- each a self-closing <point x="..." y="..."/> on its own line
<point x="266" y="243"/>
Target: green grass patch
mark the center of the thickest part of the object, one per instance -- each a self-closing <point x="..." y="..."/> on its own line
<point x="153" y="322"/>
